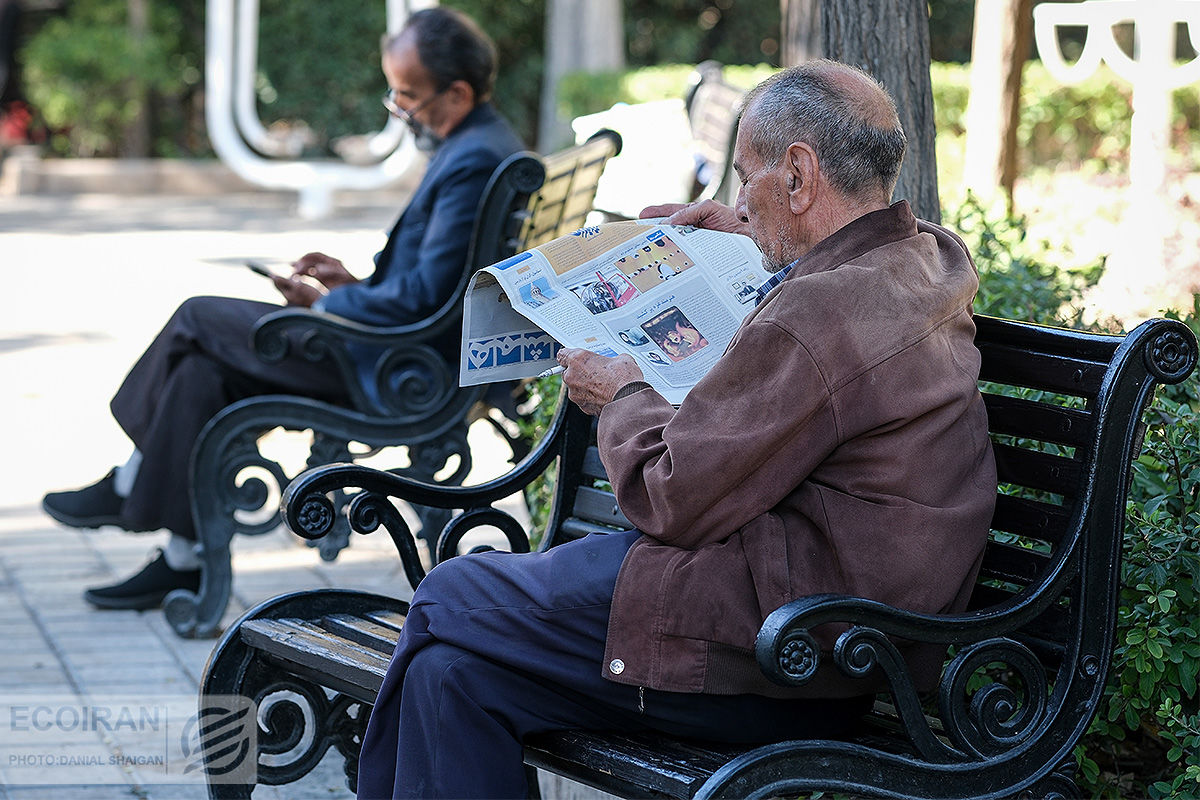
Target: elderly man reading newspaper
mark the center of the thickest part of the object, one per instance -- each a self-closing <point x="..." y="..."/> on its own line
<point x="800" y="463"/>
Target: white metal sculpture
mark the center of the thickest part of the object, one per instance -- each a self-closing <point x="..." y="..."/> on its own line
<point x="1154" y="73"/>
<point x="247" y="147"/>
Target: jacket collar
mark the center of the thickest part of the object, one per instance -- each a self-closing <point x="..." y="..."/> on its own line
<point x="859" y="236"/>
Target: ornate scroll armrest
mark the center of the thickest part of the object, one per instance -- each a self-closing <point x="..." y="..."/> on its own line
<point x="394" y="370"/>
<point x="974" y="724"/>
<point x="270" y="333"/>
<point x="789" y="655"/>
<point x="308" y="512"/>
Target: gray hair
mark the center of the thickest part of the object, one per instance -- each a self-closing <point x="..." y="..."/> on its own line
<point x="858" y="139"/>
<point x="452" y="47"/>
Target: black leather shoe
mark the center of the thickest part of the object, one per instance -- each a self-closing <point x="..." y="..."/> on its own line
<point x="146" y="589"/>
<point x="89" y="507"/>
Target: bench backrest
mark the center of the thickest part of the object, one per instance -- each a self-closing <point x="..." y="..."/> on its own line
<point x="1064" y="412"/>
<point x="530" y="200"/>
<point x="713" y="106"/>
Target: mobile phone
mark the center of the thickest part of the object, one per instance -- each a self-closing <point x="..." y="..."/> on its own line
<point x="264" y="270"/>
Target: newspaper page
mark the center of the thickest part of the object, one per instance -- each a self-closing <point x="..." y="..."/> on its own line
<point x="671" y="297"/>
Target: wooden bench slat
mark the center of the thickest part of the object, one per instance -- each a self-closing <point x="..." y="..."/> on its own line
<point x="1020" y="366"/>
<point x="293" y="642"/>
<point x="599" y="506"/>
<point x="364" y="631"/>
<point x="647" y="764"/>
<point x="1032" y="518"/>
<point x="592" y="466"/>
<point x="1034" y="470"/>
<point x="1017" y="416"/>
<point x="1013" y="564"/>
<point x="388" y="619"/>
<point x="1049" y="627"/>
<point x="574" y="528"/>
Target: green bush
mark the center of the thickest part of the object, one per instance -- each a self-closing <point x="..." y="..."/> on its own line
<point x="88" y="76"/>
<point x="1018" y="277"/>
<point x="1145" y="742"/>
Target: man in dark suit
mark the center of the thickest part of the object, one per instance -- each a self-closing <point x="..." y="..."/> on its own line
<point x="440" y="69"/>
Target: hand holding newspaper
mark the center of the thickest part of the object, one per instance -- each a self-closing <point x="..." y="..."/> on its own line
<point x="671" y="297"/>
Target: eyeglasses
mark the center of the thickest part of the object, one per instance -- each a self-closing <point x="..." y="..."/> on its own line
<point x="389" y="102"/>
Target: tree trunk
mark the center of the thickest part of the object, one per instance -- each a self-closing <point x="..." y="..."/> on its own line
<point x="137" y="134"/>
<point x="999" y="48"/>
<point x="586" y="35"/>
<point x="890" y="40"/>
<point x="800" y="28"/>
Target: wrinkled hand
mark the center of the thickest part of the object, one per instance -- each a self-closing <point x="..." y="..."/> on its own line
<point x="296" y="292"/>
<point x="326" y="270"/>
<point x="706" y="214"/>
<point x="592" y="379"/>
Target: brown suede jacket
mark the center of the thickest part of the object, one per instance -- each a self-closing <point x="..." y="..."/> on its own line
<point x="839" y="445"/>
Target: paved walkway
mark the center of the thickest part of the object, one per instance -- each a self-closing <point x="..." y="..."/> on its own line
<point x="88" y="281"/>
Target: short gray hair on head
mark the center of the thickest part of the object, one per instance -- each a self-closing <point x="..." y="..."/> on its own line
<point x="854" y="129"/>
<point x="452" y="47"/>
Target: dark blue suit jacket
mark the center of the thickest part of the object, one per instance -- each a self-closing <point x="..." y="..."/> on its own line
<point x="426" y="251"/>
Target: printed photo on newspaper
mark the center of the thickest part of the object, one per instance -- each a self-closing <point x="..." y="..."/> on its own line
<point x="671" y="297"/>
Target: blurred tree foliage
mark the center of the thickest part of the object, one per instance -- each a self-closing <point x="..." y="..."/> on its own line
<point x="691" y="31"/>
<point x="950" y="29"/>
<point x="319" y="62"/>
<point x="518" y="28"/>
<point x="86" y="75"/>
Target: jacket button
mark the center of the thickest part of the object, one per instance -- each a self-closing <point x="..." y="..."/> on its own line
<point x="616" y="666"/>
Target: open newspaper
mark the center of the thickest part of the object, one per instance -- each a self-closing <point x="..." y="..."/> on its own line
<point x="671" y="297"/>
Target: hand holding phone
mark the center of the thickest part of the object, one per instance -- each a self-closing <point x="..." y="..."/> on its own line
<point x="265" y="271"/>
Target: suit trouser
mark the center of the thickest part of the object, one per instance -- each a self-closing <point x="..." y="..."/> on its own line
<point x="498" y="646"/>
<point x="200" y="362"/>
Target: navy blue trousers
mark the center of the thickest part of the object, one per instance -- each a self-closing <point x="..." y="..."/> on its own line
<point x="498" y="646"/>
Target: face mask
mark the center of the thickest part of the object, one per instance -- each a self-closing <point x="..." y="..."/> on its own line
<point x="423" y="136"/>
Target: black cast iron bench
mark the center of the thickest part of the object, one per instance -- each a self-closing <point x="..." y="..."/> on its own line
<point x="1065" y="413"/>
<point x="413" y="399"/>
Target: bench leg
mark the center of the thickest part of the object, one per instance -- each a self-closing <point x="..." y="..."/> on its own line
<point x="198" y="616"/>
<point x="226" y="447"/>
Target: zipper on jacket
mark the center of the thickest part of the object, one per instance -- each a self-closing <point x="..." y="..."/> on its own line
<point x="641" y="699"/>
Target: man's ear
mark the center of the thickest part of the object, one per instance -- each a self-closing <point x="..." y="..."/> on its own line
<point x="802" y="167"/>
<point x="462" y="92"/>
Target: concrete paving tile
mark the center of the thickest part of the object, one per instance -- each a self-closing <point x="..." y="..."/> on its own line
<point x="19" y="629"/>
<point x="134" y="642"/>
<point x="121" y="658"/>
<point x="86" y="621"/>
<point x="27" y="639"/>
<point x="155" y="791"/>
<point x="76" y="792"/>
<point x="35" y="682"/>
<point x="34" y="678"/>
<point x="136" y="673"/>
<point x="12" y="610"/>
<point x="29" y="660"/>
